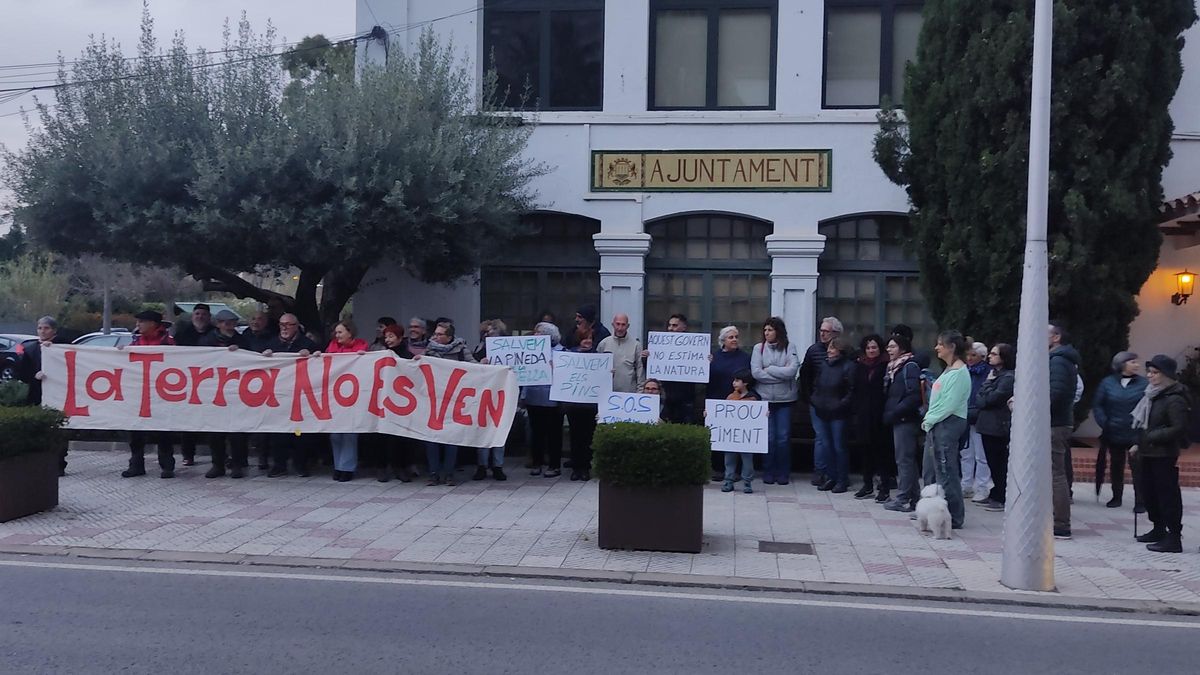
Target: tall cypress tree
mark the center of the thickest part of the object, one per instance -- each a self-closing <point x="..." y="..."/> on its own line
<point x="963" y="156"/>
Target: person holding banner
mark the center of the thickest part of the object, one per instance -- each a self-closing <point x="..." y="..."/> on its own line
<point x="581" y="418"/>
<point x="484" y="456"/>
<point x="151" y="332"/>
<point x="743" y="390"/>
<point x="832" y="399"/>
<point x="774" y="364"/>
<point x="443" y="457"/>
<point x="725" y="362"/>
<point x="226" y="336"/>
<point x="291" y="340"/>
<point x="345" y="446"/>
<point x="545" y="417"/>
<point x="393" y="451"/>
<point x="191" y="334"/>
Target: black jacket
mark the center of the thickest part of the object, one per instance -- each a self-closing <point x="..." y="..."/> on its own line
<point x="1064" y="368"/>
<point x="1166" y="432"/>
<point x="995" y="419"/>
<point x="811" y="366"/>
<point x="297" y="344"/>
<point x="258" y="342"/>
<point x="27" y="369"/>
<point x="187" y="335"/>
<point x="214" y="338"/>
<point x="833" y="393"/>
<point x="904" y="395"/>
<point x="869" y="393"/>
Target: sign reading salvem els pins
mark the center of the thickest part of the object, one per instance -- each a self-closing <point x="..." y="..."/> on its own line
<point x="527" y="355"/>
<point x="581" y="377"/>
<point x="214" y="389"/>
<point x="678" y="357"/>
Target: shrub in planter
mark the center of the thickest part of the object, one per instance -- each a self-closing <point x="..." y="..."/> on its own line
<point x="13" y="392"/>
<point x="33" y="445"/>
<point x="652" y="479"/>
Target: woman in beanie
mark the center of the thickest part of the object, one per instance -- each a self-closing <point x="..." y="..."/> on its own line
<point x="1162" y="418"/>
<point x="1113" y="406"/>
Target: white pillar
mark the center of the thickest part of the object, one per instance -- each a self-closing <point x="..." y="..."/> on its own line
<point x="623" y="276"/>
<point x="794" y="283"/>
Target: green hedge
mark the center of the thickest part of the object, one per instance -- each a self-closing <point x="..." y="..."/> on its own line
<point x="651" y="455"/>
<point x="13" y="392"/>
<point x="27" y="429"/>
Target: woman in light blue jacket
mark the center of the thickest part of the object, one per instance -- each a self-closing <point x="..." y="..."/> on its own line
<point x="774" y="364"/>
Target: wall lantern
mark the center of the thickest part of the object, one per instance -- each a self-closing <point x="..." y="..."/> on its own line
<point x="1185" y="281"/>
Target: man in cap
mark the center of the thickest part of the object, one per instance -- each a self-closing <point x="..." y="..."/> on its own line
<point x="150" y="333"/>
<point x="258" y="338"/>
<point x="191" y="334"/>
<point x="226" y="336"/>
<point x="291" y="340"/>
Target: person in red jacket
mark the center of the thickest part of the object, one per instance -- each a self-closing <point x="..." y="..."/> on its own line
<point x="345" y="446"/>
<point x="151" y="333"/>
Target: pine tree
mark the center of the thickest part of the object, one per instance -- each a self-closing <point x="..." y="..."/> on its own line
<point x="963" y="155"/>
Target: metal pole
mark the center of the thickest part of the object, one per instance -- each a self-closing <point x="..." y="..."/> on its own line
<point x="1028" y="562"/>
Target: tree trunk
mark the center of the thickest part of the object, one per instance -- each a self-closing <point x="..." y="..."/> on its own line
<point x="305" y="304"/>
<point x="340" y="284"/>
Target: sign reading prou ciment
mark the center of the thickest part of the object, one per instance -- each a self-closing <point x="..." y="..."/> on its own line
<point x="711" y="171"/>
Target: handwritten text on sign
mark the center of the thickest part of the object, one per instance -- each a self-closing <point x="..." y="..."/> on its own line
<point x="678" y="357"/>
<point x="623" y="407"/>
<point x="527" y="355"/>
<point x="737" y="426"/>
<point x="581" y="378"/>
<point x="213" y="389"/>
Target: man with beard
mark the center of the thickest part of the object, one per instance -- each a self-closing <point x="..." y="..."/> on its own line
<point x="291" y="340"/>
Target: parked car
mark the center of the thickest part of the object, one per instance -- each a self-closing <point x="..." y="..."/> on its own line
<point x="12" y="345"/>
<point x="119" y="337"/>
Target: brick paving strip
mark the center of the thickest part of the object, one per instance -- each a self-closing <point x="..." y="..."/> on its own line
<point x="546" y="528"/>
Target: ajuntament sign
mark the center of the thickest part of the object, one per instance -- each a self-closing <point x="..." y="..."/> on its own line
<point x="711" y="171"/>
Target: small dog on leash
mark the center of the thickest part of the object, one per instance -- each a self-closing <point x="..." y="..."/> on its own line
<point x="933" y="515"/>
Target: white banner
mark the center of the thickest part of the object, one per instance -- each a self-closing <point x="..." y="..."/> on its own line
<point x="527" y="355"/>
<point x="624" y="407"/>
<point x="736" y="426"/>
<point x="678" y="357"/>
<point x="581" y="377"/>
<point x="214" y="389"/>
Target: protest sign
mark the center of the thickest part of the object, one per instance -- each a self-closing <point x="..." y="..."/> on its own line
<point x="581" y="378"/>
<point x="214" y="389"/>
<point x="626" y="407"/>
<point x="736" y="426"/>
<point x="527" y="355"/>
<point x="678" y="357"/>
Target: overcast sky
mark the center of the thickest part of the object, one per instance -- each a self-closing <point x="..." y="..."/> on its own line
<point x="37" y="31"/>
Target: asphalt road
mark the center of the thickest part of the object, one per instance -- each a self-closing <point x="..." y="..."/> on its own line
<point x="73" y="616"/>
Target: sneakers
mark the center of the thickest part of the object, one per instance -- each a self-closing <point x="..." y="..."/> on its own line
<point x="498" y="474"/>
<point x="993" y="505"/>
<point x="1170" y="544"/>
<point x="552" y="473"/>
<point x="728" y="486"/>
<point x="982" y="498"/>
<point x="898" y="507"/>
<point x="189" y="461"/>
<point x="1153" y="536"/>
<point x="480" y="473"/>
<point x="747" y="489"/>
<point x="865" y="492"/>
<point x="838" y="489"/>
<point x="884" y="496"/>
<point x="1062" y="533"/>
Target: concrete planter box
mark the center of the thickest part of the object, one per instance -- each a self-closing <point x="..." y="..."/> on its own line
<point x="652" y="518"/>
<point x="28" y="484"/>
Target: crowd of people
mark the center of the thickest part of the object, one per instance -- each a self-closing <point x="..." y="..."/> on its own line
<point x="879" y="400"/>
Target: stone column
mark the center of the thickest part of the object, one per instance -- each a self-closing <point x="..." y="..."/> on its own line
<point x="622" y="276"/>
<point x="794" y="283"/>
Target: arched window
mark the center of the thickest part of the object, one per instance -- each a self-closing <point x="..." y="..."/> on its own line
<point x="712" y="267"/>
<point x="554" y="268"/>
<point x="867" y="279"/>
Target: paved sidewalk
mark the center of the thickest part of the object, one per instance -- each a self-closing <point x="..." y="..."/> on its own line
<point x="551" y="523"/>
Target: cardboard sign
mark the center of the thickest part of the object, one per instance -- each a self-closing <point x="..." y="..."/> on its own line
<point x="737" y="426"/>
<point x="214" y="389"/>
<point x="678" y="357"/>
<point x="581" y="378"/>
<point x="527" y="355"/>
<point x="624" y="407"/>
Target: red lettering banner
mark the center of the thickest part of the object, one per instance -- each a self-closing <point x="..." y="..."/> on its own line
<point x="214" y="389"/>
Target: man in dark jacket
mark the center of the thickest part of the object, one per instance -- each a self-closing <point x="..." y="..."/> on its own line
<point x="291" y="340"/>
<point x="191" y="334"/>
<point x="259" y="334"/>
<point x="810" y="369"/>
<point x="1112" y="407"/>
<point x="1162" y="418"/>
<point x="29" y="367"/>
<point x="1064" y="368"/>
<point x="150" y="332"/>
<point x="227" y="336"/>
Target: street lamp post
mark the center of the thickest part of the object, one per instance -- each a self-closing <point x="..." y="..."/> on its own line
<point x="1028" y="562"/>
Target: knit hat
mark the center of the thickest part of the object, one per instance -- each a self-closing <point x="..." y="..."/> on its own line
<point x="1163" y="364"/>
<point x="1119" y="361"/>
<point x="588" y="312"/>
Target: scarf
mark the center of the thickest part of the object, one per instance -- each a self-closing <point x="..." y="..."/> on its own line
<point x="895" y="365"/>
<point x="436" y="348"/>
<point x="1141" y="412"/>
<point x="870" y="363"/>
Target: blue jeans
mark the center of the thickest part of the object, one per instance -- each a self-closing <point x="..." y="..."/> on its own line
<point x="731" y="460"/>
<point x="777" y="464"/>
<point x="434" y="454"/>
<point x="345" y="451"/>
<point x="482" y="454"/>
<point x="904" y="438"/>
<point x="819" y="466"/>
<point x="831" y="439"/>
<point x="943" y="441"/>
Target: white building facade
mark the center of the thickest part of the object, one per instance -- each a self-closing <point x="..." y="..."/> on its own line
<point x="713" y="157"/>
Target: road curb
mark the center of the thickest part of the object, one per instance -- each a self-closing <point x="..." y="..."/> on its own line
<point x="824" y="588"/>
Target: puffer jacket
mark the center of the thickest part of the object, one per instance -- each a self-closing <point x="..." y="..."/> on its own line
<point x="1167" y="429"/>
<point x="903" y="396"/>
<point x="995" y="419"/>
<point x="1064" y="369"/>
<point x="775" y="371"/>
<point x="833" y="395"/>
<point x="1113" y="408"/>
<point x="815" y="358"/>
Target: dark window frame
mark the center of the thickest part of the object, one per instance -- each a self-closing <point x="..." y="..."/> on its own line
<point x="545" y="8"/>
<point x="713" y="9"/>
<point x="887" y="40"/>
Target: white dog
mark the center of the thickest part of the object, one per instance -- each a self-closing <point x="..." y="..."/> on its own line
<point x="932" y="513"/>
